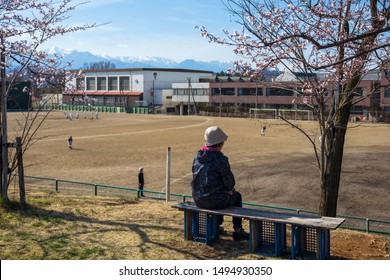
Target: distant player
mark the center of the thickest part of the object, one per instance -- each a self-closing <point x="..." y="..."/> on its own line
<point x="70" y="142"/>
<point x="141" y="181"/>
<point x="262" y="131"/>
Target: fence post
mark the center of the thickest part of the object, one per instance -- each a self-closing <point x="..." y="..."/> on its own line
<point x="56" y="185"/>
<point x="168" y="178"/>
<point x="367" y="225"/>
<point x="96" y="190"/>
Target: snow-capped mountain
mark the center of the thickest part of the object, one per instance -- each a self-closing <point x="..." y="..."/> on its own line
<point x="78" y="59"/>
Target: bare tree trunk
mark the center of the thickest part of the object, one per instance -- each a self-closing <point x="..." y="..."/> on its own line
<point x="19" y="154"/>
<point x="330" y="180"/>
<point x="4" y="148"/>
<point x="1" y="166"/>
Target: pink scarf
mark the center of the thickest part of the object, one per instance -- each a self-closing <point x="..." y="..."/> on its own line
<point x="205" y="148"/>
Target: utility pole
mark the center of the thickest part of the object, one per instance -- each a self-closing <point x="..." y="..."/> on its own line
<point x="154" y="78"/>
<point x="220" y="99"/>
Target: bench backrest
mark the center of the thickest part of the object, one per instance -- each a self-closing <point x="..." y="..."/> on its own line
<point x="266" y="215"/>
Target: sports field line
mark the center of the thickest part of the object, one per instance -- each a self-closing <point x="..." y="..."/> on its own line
<point x="130" y="132"/>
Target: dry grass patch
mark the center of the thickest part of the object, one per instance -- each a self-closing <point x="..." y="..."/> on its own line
<point x="58" y="226"/>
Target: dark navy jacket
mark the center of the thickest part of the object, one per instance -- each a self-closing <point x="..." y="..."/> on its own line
<point x="212" y="178"/>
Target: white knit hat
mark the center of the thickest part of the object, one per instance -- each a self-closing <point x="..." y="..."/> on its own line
<point x="214" y="135"/>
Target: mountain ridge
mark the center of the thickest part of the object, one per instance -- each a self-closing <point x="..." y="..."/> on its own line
<point x="79" y="58"/>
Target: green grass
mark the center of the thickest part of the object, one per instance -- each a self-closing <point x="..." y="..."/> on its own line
<point x="72" y="227"/>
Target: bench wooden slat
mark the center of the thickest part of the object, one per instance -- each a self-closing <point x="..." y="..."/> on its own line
<point x="264" y="215"/>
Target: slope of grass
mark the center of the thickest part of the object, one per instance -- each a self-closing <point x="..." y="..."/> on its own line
<point x="74" y="227"/>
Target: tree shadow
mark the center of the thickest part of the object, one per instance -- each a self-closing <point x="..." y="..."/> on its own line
<point x="139" y="229"/>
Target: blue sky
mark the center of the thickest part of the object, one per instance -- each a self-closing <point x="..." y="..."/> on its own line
<point x="140" y="28"/>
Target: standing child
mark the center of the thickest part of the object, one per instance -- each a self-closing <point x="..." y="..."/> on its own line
<point x="141" y="181"/>
<point x="70" y="142"/>
<point x="262" y="132"/>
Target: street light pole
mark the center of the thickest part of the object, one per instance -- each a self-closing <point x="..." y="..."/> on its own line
<point x="154" y="76"/>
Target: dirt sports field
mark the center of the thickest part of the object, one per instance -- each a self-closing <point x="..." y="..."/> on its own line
<point x="277" y="169"/>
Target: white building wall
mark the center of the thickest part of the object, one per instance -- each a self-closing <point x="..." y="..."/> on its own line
<point x="166" y="80"/>
<point x="142" y="80"/>
<point x="185" y="86"/>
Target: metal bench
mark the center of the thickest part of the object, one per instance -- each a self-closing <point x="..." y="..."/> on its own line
<point x="310" y="235"/>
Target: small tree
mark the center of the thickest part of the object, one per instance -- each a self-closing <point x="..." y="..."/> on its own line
<point x="25" y="25"/>
<point x="101" y="65"/>
<point x="342" y="39"/>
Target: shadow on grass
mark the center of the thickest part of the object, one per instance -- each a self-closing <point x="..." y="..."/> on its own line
<point x="224" y="248"/>
<point x="140" y="229"/>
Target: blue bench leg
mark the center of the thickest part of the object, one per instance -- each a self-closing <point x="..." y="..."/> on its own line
<point x="280" y="238"/>
<point x="201" y="228"/>
<point x="299" y="243"/>
<point x="259" y="243"/>
<point x="298" y="240"/>
<point x="323" y="244"/>
<point x="188" y="216"/>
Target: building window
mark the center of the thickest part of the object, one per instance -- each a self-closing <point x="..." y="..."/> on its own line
<point x="99" y="100"/>
<point x="110" y="100"/>
<point x="180" y="92"/>
<point x="120" y="101"/>
<point x="387" y="92"/>
<point x="112" y="83"/>
<point x="124" y="83"/>
<point x="387" y="74"/>
<point x="101" y="83"/>
<point x="280" y="92"/>
<point x="223" y="91"/>
<point x="387" y="111"/>
<point x="200" y="91"/>
<point x="91" y="84"/>
<point x="250" y="91"/>
<point x="228" y="91"/>
<point x="360" y="91"/>
<point x="357" y="110"/>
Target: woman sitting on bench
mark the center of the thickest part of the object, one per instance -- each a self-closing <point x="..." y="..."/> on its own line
<point x="213" y="181"/>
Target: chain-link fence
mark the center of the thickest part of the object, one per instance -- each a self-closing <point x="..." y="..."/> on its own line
<point x="65" y="186"/>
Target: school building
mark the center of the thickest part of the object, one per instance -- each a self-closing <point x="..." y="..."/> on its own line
<point x="282" y="92"/>
<point x="185" y="91"/>
<point x="131" y="87"/>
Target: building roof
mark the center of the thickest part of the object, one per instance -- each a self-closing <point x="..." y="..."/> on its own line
<point x="145" y="69"/>
<point x="116" y="93"/>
